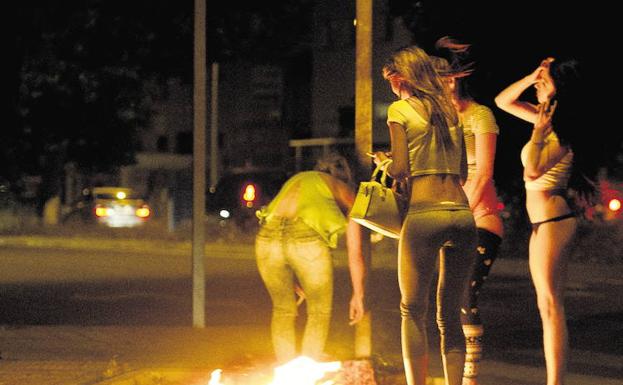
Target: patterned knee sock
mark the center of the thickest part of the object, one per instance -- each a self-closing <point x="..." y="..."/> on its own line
<point x="473" y="347"/>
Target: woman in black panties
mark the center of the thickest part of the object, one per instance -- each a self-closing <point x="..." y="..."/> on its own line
<point x="552" y="162"/>
<point x="535" y="225"/>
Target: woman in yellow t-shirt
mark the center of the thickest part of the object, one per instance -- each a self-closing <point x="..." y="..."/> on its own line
<point x="481" y="131"/>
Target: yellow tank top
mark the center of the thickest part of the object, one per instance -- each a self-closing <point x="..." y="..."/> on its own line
<point x="316" y="205"/>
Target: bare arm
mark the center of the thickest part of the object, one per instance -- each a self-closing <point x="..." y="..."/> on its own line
<point x="485" y="155"/>
<point x="358" y="271"/>
<point x="508" y="99"/>
<point x="399" y="167"/>
<point x="345" y="196"/>
<point x="541" y="154"/>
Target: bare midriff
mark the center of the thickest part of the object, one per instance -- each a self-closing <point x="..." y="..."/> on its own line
<point x="542" y="205"/>
<point x="436" y="189"/>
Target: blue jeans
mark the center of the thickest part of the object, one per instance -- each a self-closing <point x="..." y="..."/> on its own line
<point x="286" y="250"/>
<point x="449" y="235"/>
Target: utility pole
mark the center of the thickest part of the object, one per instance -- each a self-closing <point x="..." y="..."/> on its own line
<point x="199" y="164"/>
<point x="363" y="142"/>
<point x="214" y="155"/>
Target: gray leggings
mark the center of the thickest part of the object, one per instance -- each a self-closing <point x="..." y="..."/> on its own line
<point x="449" y="234"/>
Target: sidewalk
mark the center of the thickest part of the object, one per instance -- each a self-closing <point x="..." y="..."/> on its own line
<point x="180" y="356"/>
<point x="147" y="355"/>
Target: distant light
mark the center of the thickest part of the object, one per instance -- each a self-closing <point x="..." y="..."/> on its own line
<point x="143" y="212"/>
<point x="355" y="22"/>
<point x="120" y="195"/>
<point x="102" y="211"/>
<point x="249" y="194"/>
<point x="501" y="206"/>
<point x="224" y="214"/>
<point x="614" y="204"/>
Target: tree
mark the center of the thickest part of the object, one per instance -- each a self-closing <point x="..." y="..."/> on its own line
<point x="79" y="87"/>
<point x="84" y="73"/>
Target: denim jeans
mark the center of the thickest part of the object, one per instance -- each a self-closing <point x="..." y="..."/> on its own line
<point x="289" y="250"/>
<point x="449" y="235"/>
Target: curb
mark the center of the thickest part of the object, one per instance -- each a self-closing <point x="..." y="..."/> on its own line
<point x="158" y="377"/>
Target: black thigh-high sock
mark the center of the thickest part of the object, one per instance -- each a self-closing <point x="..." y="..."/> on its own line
<point x="487" y="250"/>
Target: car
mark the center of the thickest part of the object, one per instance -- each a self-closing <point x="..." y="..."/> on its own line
<point x="111" y="206"/>
<point x="240" y="193"/>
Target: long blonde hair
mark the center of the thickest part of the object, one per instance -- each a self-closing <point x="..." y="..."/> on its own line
<point x="414" y="69"/>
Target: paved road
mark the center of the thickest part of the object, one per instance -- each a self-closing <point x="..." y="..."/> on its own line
<point x="70" y="285"/>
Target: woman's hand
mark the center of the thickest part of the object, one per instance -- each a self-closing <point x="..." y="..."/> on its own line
<point x="379" y="156"/>
<point x="356" y="309"/>
<point x="299" y="293"/>
<point x="544" y="66"/>
<point x="543" y="124"/>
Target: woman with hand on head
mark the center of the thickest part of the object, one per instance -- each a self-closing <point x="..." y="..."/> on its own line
<point x="480" y="131"/>
<point x="554" y="159"/>
<point x="427" y="150"/>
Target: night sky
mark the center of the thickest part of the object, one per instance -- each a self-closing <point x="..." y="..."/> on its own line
<point x="509" y="39"/>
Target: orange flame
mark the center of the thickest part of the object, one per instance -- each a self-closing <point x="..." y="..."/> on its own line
<point x="301" y="371"/>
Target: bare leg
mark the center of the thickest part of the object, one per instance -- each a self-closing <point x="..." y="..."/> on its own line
<point x="548" y="265"/>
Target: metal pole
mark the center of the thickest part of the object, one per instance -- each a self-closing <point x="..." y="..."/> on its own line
<point x="199" y="164"/>
<point x="363" y="141"/>
<point x="214" y="155"/>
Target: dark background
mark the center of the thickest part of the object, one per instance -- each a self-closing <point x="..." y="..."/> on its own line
<point x="77" y="64"/>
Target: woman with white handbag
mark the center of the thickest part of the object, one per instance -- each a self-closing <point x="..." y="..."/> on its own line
<point x="427" y="148"/>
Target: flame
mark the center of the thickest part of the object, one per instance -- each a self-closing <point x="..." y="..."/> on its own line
<point x="301" y="371"/>
<point x="304" y="371"/>
<point x="215" y="377"/>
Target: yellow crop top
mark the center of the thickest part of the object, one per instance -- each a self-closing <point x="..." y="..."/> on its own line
<point x="316" y="207"/>
<point x="557" y="177"/>
<point x="424" y="155"/>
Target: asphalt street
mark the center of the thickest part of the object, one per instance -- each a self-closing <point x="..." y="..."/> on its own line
<point x="93" y="288"/>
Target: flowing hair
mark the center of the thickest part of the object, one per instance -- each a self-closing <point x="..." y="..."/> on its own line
<point x="414" y="69"/>
<point x="453" y="60"/>
<point x="571" y="124"/>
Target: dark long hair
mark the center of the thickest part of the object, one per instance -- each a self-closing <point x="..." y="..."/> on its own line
<point x="572" y="125"/>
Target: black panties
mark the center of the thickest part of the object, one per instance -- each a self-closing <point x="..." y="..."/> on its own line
<point x="535" y="225"/>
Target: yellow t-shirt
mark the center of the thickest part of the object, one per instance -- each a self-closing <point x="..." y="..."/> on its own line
<point x="427" y="155"/>
<point x="476" y="119"/>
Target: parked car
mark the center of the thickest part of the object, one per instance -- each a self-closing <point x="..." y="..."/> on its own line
<point x="239" y="194"/>
<point x="110" y="206"/>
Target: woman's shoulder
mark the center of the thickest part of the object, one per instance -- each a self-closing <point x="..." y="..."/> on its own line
<point x="480" y="117"/>
<point x="410" y="108"/>
<point x="399" y="105"/>
<point x="478" y="109"/>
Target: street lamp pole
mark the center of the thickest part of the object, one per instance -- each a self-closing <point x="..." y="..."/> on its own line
<point x="199" y="164"/>
<point x="363" y="142"/>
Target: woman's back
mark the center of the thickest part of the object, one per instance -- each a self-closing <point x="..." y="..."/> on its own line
<point x="435" y="167"/>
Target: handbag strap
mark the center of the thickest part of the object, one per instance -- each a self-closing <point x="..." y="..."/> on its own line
<point x="381" y="167"/>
